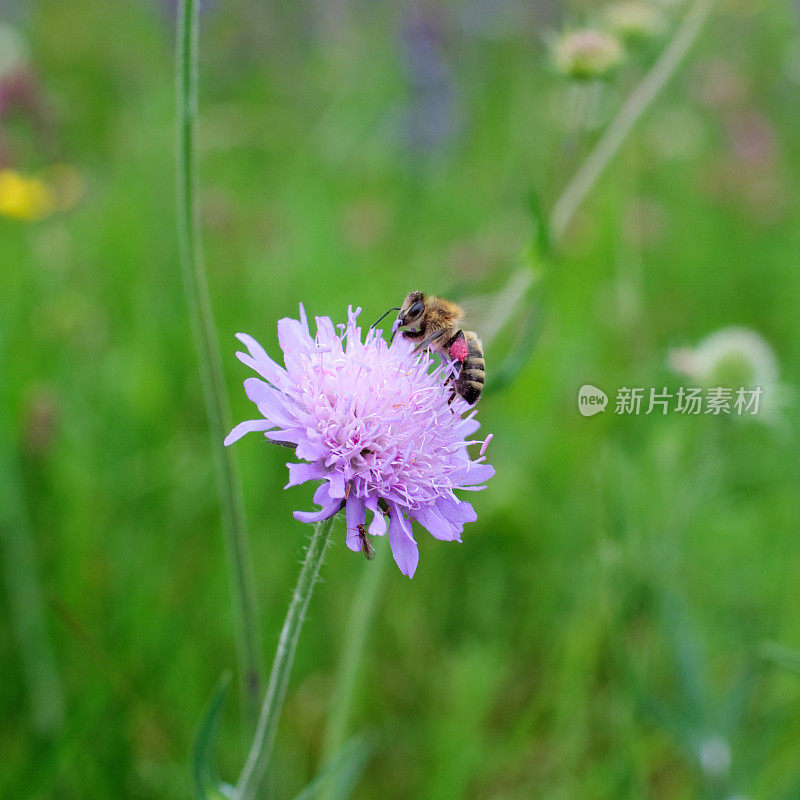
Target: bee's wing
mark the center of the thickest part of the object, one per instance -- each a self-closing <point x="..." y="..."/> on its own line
<point x="488" y="314"/>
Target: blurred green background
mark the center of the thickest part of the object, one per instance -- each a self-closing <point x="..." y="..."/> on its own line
<point x="600" y="632"/>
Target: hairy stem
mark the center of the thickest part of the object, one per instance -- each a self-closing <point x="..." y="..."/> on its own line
<point x="630" y="113"/>
<point x="264" y="739"/>
<point x="214" y="393"/>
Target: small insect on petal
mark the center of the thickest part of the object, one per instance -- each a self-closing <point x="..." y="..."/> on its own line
<point x="366" y="543"/>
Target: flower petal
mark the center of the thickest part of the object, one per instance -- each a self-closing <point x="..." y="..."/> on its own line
<point x="309" y="450"/>
<point x="256" y="390"/>
<point x="268" y="400"/>
<point x="246" y="427"/>
<point x="292" y="337"/>
<point x="467" y="427"/>
<point x="355" y="513"/>
<point x="330" y="505"/>
<point x="300" y="473"/>
<point x="317" y="516"/>
<point x="292" y="436"/>
<point x="477" y="473"/>
<point x="254" y="348"/>
<point x="303" y="317"/>
<point x="404" y="548"/>
<point x="378" y="525"/>
<point x="337" y="487"/>
<point x="322" y="496"/>
<point x="438" y="526"/>
<point x="457" y="511"/>
<point x="326" y="333"/>
<point x="258" y="359"/>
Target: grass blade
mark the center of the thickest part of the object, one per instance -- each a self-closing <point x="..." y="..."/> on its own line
<point x="206" y="783"/>
<point x="341" y="773"/>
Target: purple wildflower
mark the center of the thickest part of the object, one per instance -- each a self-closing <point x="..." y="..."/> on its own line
<point x="372" y="421"/>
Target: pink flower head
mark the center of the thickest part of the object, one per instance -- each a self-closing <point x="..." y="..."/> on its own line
<point x="371" y="420"/>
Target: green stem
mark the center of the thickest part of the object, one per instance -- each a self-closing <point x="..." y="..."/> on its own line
<point x="636" y="104"/>
<point x="260" y="751"/>
<point x="214" y="392"/>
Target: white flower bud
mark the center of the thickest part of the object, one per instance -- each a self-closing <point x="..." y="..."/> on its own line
<point x="587" y="54"/>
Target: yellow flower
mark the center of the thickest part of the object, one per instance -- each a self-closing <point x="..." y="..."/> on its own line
<point x="24" y="198"/>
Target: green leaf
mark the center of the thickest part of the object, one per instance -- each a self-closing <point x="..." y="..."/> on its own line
<point x="781" y="656"/>
<point x="340" y="775"/>
<point x="207" y="785"/>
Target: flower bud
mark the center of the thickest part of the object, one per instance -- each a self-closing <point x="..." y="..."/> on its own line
<point x="587" y="54"/>
<point x="728" y="357"/>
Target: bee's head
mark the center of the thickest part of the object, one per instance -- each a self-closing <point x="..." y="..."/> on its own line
<point x="412" y="308"/>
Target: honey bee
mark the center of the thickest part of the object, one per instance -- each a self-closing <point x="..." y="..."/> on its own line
<point x="436" y="323"/>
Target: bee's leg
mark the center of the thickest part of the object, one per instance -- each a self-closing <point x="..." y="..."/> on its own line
<point x="452" y="396"/>
<point x="452" y="368"/>
<point x="458" y="347"/>
<point x="452" y="373"/>
<point x="429" y="340"/>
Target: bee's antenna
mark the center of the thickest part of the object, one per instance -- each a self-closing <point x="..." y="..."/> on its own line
<point x="383" y="315"/>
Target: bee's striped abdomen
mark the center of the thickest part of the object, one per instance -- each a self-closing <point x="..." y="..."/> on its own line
<point x="471" y="377"/>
